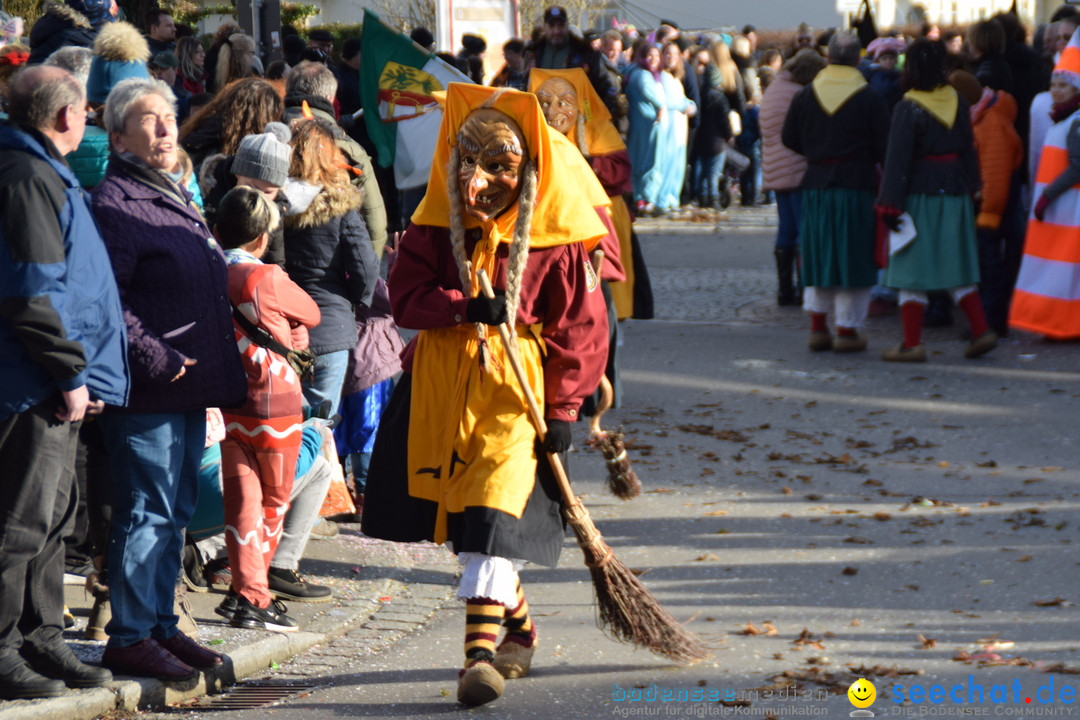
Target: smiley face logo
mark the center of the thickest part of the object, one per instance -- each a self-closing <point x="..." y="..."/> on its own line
<point x="862" y="693"/>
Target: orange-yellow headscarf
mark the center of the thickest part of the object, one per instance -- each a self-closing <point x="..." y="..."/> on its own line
<point x="601" y="137"/>
<point x="565" y="199"/>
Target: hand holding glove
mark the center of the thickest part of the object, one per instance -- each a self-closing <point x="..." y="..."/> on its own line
<point x="891" y="218"/>
<point x="490" y="311"/>
<point x="559" y="436"/>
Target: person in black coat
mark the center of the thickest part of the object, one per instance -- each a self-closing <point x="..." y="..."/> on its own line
<point x="76" y="22"/>
<point x="328" y="253"/>
<point x="559" y="49"/>
<point x="710" y="143"/>
<point x="986" y="40"/>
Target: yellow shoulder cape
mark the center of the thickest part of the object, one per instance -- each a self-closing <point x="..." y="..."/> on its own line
<point x="835" y="85"/>
<point x="942" y="102"/>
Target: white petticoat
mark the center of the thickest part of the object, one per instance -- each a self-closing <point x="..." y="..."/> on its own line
<point x="487" y="576"/>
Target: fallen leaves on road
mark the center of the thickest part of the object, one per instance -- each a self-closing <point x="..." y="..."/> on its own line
<point x="926" y="642"/>
<point x="1058" y="667"/>
<point x="835" y="683"/>
<point x="909" y="443"/>
<point x="710" y="431"/>
<point x="1056" y="602"/>
<point x="767" y="629"/>
<point x="806" y="639"/>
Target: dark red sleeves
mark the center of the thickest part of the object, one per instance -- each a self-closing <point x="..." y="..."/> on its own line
<point x="613" y="172"/>
<point x="419" y="298"/>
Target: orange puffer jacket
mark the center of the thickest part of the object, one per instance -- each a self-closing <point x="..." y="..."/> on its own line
<point x="1000" y="152"/>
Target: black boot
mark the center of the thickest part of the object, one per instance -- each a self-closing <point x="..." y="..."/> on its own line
<point x="59" y="662"/>
<point x="785" y="265"/>
<point x="18" y="680"/>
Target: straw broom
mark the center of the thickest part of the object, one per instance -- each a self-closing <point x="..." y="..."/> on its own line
<point x="628" y="611"/>
<point x="623" y="482"/>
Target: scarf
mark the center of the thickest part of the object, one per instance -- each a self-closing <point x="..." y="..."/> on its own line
<point x="1060" y="111"/>
<point x="239" y="256"/>
<point x="133" y="167"/>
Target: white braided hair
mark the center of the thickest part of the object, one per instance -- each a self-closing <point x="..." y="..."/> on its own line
<point x="519" y="246"/>
<point x="582" y="141"/>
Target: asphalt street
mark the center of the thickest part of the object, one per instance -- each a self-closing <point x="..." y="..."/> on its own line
<point x="815" y="517"/>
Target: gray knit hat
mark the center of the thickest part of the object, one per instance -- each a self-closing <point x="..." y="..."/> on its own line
<point x="265" y="156"/>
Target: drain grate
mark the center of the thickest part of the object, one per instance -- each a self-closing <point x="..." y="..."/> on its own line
<point x="245" y="697"/>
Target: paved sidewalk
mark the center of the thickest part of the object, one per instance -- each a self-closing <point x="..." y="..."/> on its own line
<point x="382" y="591"/>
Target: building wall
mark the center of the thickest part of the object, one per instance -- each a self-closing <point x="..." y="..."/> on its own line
<point x="889" y="13"/>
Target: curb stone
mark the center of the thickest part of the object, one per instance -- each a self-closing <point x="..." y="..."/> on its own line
<point x="130" y="695"/>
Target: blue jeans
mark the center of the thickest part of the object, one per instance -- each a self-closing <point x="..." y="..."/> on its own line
<point x="708" y="169"/>
<point x="326" y="382"/>
<point x="789" y="210"/>
<point x="155" y="461"/>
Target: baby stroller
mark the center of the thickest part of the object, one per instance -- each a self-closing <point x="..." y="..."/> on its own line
<point x="734" y="165"/>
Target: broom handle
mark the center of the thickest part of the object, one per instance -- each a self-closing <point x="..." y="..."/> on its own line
<point x="530" y="399"/>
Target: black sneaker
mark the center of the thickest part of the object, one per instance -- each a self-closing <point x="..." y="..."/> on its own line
<point x="228" y="606"/>
<point x="288" y="585"/>
<point x="272" y="617"/>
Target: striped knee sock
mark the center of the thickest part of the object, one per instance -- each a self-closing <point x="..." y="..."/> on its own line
<point x="482" y="618"/>
<point x="519" y="626"/>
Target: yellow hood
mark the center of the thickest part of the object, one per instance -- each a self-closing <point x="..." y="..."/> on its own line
<point x="601" y="137"/>
<point x="565" y="199"/>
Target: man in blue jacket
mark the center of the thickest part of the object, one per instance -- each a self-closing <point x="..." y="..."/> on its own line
<point x="63" y="353"/>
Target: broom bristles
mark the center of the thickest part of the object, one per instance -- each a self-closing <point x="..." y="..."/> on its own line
<point x="628" y="612"/>
<point x="623" y="482"/>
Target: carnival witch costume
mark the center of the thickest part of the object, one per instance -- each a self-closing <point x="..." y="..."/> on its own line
<point x="456" y="457"/>
<point x="573" y="107"/>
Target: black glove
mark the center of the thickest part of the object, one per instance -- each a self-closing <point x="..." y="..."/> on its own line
<point x="490" y="311"/>
<point x="891" y="220"/>
<point x="559" y="436"/>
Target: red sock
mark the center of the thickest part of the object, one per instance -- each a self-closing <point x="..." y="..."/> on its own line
<point x="846" y="331"/>
<point x="971" y="304"/>
<point x="911" y="317"/>
<point x="817" y="322"/>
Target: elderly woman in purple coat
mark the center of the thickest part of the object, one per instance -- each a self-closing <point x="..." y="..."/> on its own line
<point x="183" y="358"/>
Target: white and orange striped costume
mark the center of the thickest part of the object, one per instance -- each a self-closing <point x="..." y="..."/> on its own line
<point x="1047" y="295"/>
<point x="258" y="455"/>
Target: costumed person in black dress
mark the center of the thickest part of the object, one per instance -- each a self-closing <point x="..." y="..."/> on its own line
<point x="931" y="173"/>
<point x="456" y="458"/>
<point x="841" y="125"/>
